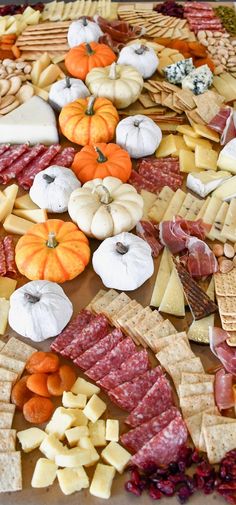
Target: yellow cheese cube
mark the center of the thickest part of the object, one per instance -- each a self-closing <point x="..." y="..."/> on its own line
<point x="51" y="446"/>
<point x="167" y="146"/>
<point x="4" y="310"/>
<point x="31" y="438"/>
<point x="116" y="456"/>
<point x="94" y="408"/>
<point x="85" y="443"/>
<point x="186" y="129"/>
<point x="7" y="286"/>
<point x="74" y="434"/>
<point x="61" y="421"/>
<point x="102" y="481"/>
<point x="25" y="203"/>
<point x="44" y="473"/>
<point x="16" y="225"/>
<point x="192" y="142"/>
<point x="73" y="457"/>
<point x="73" y="401"/>
<point x="205" y="158"/>
<point x="72" y="479"/>
<point x="79" y="418"/>
<point x="97" y="433"/>
<point x="187" y="161"/>
<point x="204" y="131"/>
<point x="84" y="387"/>
<point x="112" y="430"/>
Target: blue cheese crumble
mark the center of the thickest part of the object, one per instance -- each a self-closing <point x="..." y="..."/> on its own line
<point x="199" y="80"/>
<point x="178" y="71"/>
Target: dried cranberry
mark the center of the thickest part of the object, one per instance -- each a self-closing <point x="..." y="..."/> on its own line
<point x="209" y="486"/>
<point x="230" y="499"/>
<point x="154" y="493"/>
<point x="166" y="487"/>
<point x="227" y="488"/>
<point x="199" y="481"/>
<point x="190" y="483"/>
<point x="182" y="466"/>
<point x="196" y="458"/>
<point x="223" y="472"/>
<point x="135" y="477"/>
<point x="173" y="468"/>
<point x="176" y="479"/>
<point x="143" y="483"/>
<point x="150" y="468"/>
<point x="184" y="494"/>
<point x="231" y="454"/>
<point x="132" y="488"/>
<point x="204" y="469"/>
<point x="185" y="454"/>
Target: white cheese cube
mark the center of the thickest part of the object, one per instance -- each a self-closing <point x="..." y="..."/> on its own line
<point x="79" y="418"/>
<point x="85" y="443"/>
<point x="73" y="401"/>
<point x="31" y="438"/>
<point x="51" y="446"/>
<point x="102" y="481"/>
<point x="72" y="479"/>
<point x="84" y="387"/>
<point x="112" y="430"/>
<point x="44" y="473"/>
<point x="116" y="456"/>
<point x="61" y="421"/>
<point x="94" y="408"/>
<point x="74" y="434"/>
<point x="97" y="433"/>
<point x="73" y="457"/>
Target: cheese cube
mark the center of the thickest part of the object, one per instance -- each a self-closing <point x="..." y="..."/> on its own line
<point x="192" y="142"/>
<point x="116" y="456"/>
<point x="17" y="225"/>
<point x="79" y="418"/>
<point x="84" y="387"/>
<point x="61" y="421"/>
<point x="94" y="408"/>
<point x="102" y="481"/>
<point x="7" y="286"/>
<point x="167" y="146"/>
<point x="73" y="401"/>
<point x="74" y="434"/>
<point x="51" y="446"/>
<point x="97" y="433"/>
<point x="204" y="131"/>
<point x="4" y="310"/>
<point x="73" y="457"/>
<point x="187" y="161"/>
<point x="25" y="203"/>
<point x="85" y="443"/>
<point x="31" y="438"/>
<point x="44" y="473"/>
<point x="112" y="430"/>
<point x="206" y="158"/>
<point x="186" y="129"/>
<point x="72" y="479"/>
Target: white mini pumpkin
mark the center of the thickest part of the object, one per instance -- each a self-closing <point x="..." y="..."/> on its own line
<point x="123" y="262"/>
<point x="66" y="91"/>
<point x="52" y="188"/>
<point x="39" y="310"/>
<point x="82" y="31"/>
<point x="138" y="135"/>
<point x="105" y="207"/>
<point x="141" y="57"/>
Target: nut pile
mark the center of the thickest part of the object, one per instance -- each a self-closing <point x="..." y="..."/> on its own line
<point x="228" y="18"/>
<point x="226" y="256"/>
<point x="14" y="88"/>
<point x="221" y="49"/>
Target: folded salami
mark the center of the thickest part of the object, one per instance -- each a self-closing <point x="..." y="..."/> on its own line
<point x="99" y="350"/>
<point x="134" y="366"/>
<point x="95" y="330"/>
<point x="112" y="360"/>
<point x="67" y="335"/>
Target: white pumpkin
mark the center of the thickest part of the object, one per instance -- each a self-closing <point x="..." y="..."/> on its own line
<point x="82" y="31"/>
<point x="105" y="207"/>
<point x="39" y="310"/>
<point x="141" y="57"/>
<point x="138" y="135"/>
<point x="66" y="91"/>
<point x="123" y="262"/>
<point x="52" y="188"/>
<point x="122" y="84"/>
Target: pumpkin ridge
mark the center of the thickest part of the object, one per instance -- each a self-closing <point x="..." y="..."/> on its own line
<point x="27" y="259"/>
<point x="106" y="125"/>
<point x="77" y="254"/>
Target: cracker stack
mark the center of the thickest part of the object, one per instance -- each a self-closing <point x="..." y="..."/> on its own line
<point x="225" y="287"/>
<point x="46" y="37"/>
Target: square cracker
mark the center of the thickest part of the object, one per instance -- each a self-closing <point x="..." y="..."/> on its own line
<point x="208" y="419"/>
<point x="100" y="294"/>
<point x="123" y="320"/>
<point x="225" y="284"/>
<point x="116" y="305"/>
<point x="1" y="344"/>
<point x="227" y="305"/>
<point x="174" y="353"/>
<point x="7" y="440"/>
<point x="134" y="322"/>
<point x="6" y="419"/>
<point x="170" y="339"/>
<point x="7" y="407"/>
<point x="10" y="472"/>
<point x="193" y="365"/>
<point x="101" y="304"/>
<point x="148" y="322"/>
<point x="7" y="375"/>
<point x="195" y="389"/>
<point x="193" y="378"/>
<point x="194" y="424"/>
<point x="131" y="305"/>
<point x="191" y="405"/>
<point x="219" y="439"/>
<point x="14" y="365"/>
<point x="161" y="330"/>
<point x="17" y="349"/>
<point x="5" y="391"/>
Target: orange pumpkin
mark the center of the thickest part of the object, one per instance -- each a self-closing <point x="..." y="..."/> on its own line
<point x="102" y="160"/>
<point x="81" y="59"/>
<point x="55" y="251"/>
<point x="89" y="120"/>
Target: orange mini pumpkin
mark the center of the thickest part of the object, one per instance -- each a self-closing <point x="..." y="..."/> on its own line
<point x="55" y="251"/>
<point x="102" y="160"/>
<point x="83" y="58"/>
<point x="89" y="120"/>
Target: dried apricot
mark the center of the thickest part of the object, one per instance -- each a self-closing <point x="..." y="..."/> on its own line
<point x="37" y="382"/>
<point x="20" y="393"/>
<point x="42" y="362"/>
<point x="61" y="381"/>
<point x="38" y="410"/>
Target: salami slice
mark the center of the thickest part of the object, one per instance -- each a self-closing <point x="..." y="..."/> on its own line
<point x="164" y="447"/>
<point x="134" y="366"/>
<point x="67" y="335"/>
<point x="139" y="182"/>
<point x="65" y="157"/>
<point x="112" y="360"/>
<point x="42" y="161"/>
<point x="97" y="328"/>
<point x="9" y="251"/>
<point x="136" y="438"/>
<point x="129" y="394"/>
<point x="3" y="266"/>
<point x="11" y="155"/>
<point x="4" y="148"/>
<point x="157" y="400"/>
<point x="20" y="163"/>
<point x="99" y="350"/>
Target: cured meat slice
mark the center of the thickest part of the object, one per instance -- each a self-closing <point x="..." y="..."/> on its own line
<point x="200" y="260"/>
<point x="136" y="438"/>
<point x="9" y="252"/>
<point x="156" y="174"/>
<point x="11" y="155"/>
<point x="128" y="395"/>
<point x="134" y="366"/>
<point x="3" y="266"/>
<point x="99" y="350"/>
<point x="67" y="335"/>
<point x="65" y="157"/>
<point x="4" y="148"/>
<point x="219" y="346"/>
<point x="218" y="122"/>
<point x="42" y="161"/>
<point x="157" y="399"/>
<point x="113" y="44"/>
<point x="224" y="390"/>
<point x="112" y="360"/>
<point x="139" y="182"/>
<point x="175" y="233"/>
<point x="21" y="162"/>
<point x="95" y="330"/>
<point x="172" y="164"/>
<point x="164" y="447"/>
<point x="149" y="232"/>
<point x="119" y="30"/>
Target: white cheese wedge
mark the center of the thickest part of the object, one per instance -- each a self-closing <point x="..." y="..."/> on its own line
<point x="73" y="435"/>
<point x="173" y="298"/>
<point x="102" y="481"/>
<point x="84" y="387"/>
<point x="51" y="446"/>
<point x="57" y="13"/>
<point x="112" y="430"/>
<point x="61" y="421"/>
<point x="73" y="401"/>
<point x="7" y="287"/>
<point x="174" y="205"/>
<point x="31" y="438"/>
<point x="205" y="182"/>
<point x="227" y="190"/>
<point x="97" y="433"/>
<point x="16" y="225"/>
<point x="162" y="278"/>
<point x="216" y="229"/>
<point x="227" y="157"/>
<point x="94" y="408"/>
<point x="25" y="203"/>
<point x="66" y="11"/>
<point x="85" y="443"/>
<point x="73" y="458"/>
<point x="4" y="310"/>
<point x="44" y="473"/>
<point x="229" y="228"/>
<point x="34" y="122"/>
<point x="35" y="215"/>
<point x="72" y="480"/>
<point x="194" y="209"/>
<point x="203" y="208"/>
<point x="116" y="456"/>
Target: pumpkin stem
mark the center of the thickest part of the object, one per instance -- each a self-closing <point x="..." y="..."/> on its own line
<point x="31" y="298"/>
<point x="103" y="194"/>
<point x="68" y="83"/>
<point x="141" y="49"/>
<point x="48" y="178"/>
<point x="137" y="122"/>
<point x="90" y="110"/>
<point x="84" y="21"/>
<point x="112" y="73"/>
<point x="52" y="241"/>
<point x="101" y="158"/>
<point x="89" y="49"/>
<point x="121" y="248"/>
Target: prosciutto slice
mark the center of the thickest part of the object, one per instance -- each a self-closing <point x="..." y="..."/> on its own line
<point x="223" y="123"/>
<point x="219" y="347"/>
<point x="121" y="31"/>
<point x="200" y="260"/>
<point x="224" y="390"/>
<point x="174" y="234"/>
<point x="149" y="232"/>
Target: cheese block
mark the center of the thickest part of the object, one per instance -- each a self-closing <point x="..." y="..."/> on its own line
<point x="227" y="157"/>
<point x="112" y="430"/>
<point x="167" y="146"/>
<point x="4" y="309"/>
<point x="192" y="142"/>
<point x="180" y="144"/>
<point x="194" y="209"/>
<point x="148" y="201"/>
<point x="187" y="161"/>
<point x="116" y="456"/>
<point x="61" y="421"/>
<point x="73" y="457"/>
<point x="34" y="215"/>
<point x="17" y="225"/>
<point x="84" y="387"/>
<point x="204" y="131"/>
<point x="97" y="433"/>
<point x="162" y="278"/>
<point x="216" y="229"/>
<point x="205" y="158"/>
<point x="203" y="208"/>
<point x="72" y="479"/>
<point x="25" y="203"/>
<point x="207" y="181"/>
<point x="10" y="194"/>
<point x="174" y="205"/>
<point x="157" y="211"/>
<point x="34" y="121"/>
<point x="51" y="446"/>
<point x="186" y="129"/>
<point x="48" y="75"/>
<point x="94" y="408"/>
<point x="73" y="435"/>
<point x="229" y="228"/>
<point x="199" y="330"/>
<point x="39" y="66"/>
<point x="173" y="298"/>
<point x="102" y="481"/>
<point x="211" y="210"/>
<point x="44" y="473"/>
<point x="7" y="287"/>
<point x="73" y="401"/>
<point x="86" y="444"/>
<point x="227" y="190"/>
<point x="186" y="205"/>
<point x="31" y="438"/>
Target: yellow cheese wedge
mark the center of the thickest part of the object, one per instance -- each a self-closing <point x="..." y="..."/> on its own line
<point x="33" y="19"/>
<point x="7" y="287"/>
<point x="203" y="208"/>
<point x="216" y="229"/>
<point x="187" y="130"/>
<point x="48" y="75"/>
<point x="4" y="309"/>
<point x="36" y="71"/>
<point x="180" y="144"/>
<point x="227" y="190"/>
<point x="10" y="193"/>
<point x="187" y="161"/>
<point x="211" y="210"/>
<point x="148" y="201"/>
<point x="229" y="228"/>
<point x="35" y="215"/>
<point x="174" y="205"/>
<point x="24" y="202"/>
<point x="192" y="142"/>
<point x="173" y="298"/>
<point x="17" y="225"/>
<point x="162" y="278"/>
<point x="161" y="203"/>
<point x="204" y="131"/>
<point x="167" y="146"/>
<point x="224" y="88"/>
<point x="205" y="158"/>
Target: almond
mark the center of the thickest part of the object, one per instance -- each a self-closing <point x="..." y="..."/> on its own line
<point x="228" y="251"/>
<point x="225" y="266"/>
<point x="218" y="250"/>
